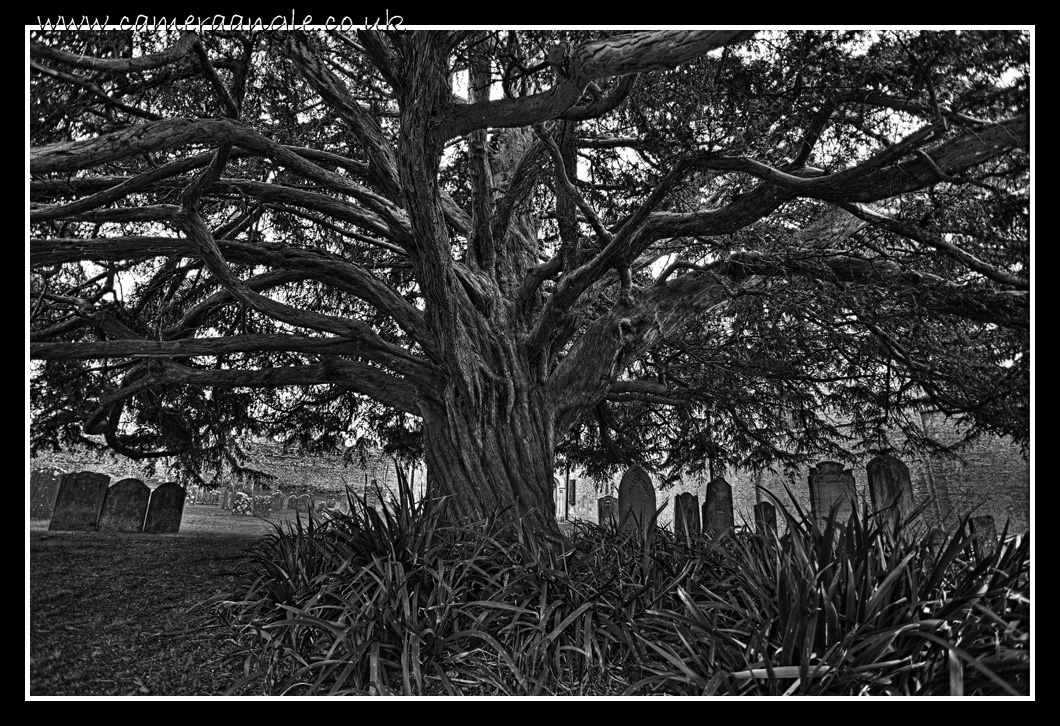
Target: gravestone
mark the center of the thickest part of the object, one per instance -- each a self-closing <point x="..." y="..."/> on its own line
<point x="262" y="504"/>
<point x="831" y="486"/>
<point x="636" y="499"/>
<point x="890" y="488"/>
<point x="79" y="501"/>
<point x="226" y="498"/>
<point x="125" y="506"/>
<point x="686" y="516"/>
<point x="43" y="488"/>
<point x="607" y="511"/>
<point x="165" y="509"/>
<point x="985" y="534"/>
<point x="765" y="517"/>
<point x="717" y="509"/>
<point x="278" y="501"/>
<point x="571" y="497"/>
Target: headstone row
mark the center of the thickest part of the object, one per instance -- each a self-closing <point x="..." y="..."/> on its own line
<point x="85" y="502"/>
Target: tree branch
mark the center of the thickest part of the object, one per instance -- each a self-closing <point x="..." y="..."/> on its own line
<point x="619" y="56"/>
<point x="118" y="65"/>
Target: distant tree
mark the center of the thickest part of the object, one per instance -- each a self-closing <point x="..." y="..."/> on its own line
<point x="489" y="247"/>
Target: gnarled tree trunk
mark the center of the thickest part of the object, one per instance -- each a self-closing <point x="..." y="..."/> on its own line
<point x="495" y="458"/>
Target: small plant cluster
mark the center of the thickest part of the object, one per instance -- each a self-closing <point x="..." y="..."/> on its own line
<point x="242" y="505"/>
<point x="245" y="505"/>
<point x="398" y="602"/>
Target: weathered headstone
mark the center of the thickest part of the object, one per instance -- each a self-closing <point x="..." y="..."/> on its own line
<point x="607" y="511"/>
<point x="262" y="505"/>
<point x="890" y="487"/>
<point x="165" y="509"/>
<point x="226" y="498"/>
<point x="79" y="501"/>
<point x="765" y="517"/>
<point x="636" y="499"/>
<point x="43" y="488"/>
<point x="278" y="501"/>
<point x="717" y="509"/>
<point x="686" y="516"/>
<point x="125" y="506"/>
<point x="985" y="534"/>
<point x="571" y="495"/>
<point x="831" y="486"/>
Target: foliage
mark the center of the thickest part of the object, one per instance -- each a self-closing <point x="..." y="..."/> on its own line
<point x="678" y="248"/>
<point x="396" y="601"/>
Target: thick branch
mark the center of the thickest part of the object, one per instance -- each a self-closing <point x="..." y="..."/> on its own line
<point x="118" y="65"/>
<point x="169" y="133"/>
<point x="305" y="263"/>
<point x="189" y="347"/>
<point x="634" y="53"/>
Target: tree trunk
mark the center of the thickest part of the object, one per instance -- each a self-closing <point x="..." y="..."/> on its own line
<point x="493" y="457"/>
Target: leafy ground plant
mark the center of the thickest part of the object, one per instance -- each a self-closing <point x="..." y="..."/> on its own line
<point x="862" y="607"/>
<point x="394" y="602"/>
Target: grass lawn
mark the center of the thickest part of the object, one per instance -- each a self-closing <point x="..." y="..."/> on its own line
<point x="114" y="614"/>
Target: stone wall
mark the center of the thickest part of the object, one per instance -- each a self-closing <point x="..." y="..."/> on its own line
<point x="294" y="472"/>
<point x="331" y="473"/>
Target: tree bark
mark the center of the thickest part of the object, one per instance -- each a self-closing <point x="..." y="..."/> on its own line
<point x="493" y="459"/>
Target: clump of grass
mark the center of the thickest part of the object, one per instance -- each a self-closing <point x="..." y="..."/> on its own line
<point x="397" y="601"/>
<point x="869" y="606"/>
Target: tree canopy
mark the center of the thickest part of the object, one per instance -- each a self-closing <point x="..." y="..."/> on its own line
<point x="489" y="249"/>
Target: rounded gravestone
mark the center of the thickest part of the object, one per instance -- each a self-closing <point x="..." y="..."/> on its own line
<point x="606" y="508"/>
<point x="165" y="509"/>
<point x="890" y="486"/>
<point x="717" y="509"/>
<point x="686" y="515"/>
<point x="43" y="488"/>
<point x="125" y="506"/>
<point x="79" y="501"/>
<point x="832" y="489"/>
<point x="765" y="517"/>
<point x="636" y="499"/>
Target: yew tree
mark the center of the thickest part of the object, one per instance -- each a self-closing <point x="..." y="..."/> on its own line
<point x="494" y="248"/>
